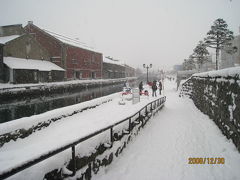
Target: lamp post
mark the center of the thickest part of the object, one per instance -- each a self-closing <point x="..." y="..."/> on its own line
<point x="147" y="67"/>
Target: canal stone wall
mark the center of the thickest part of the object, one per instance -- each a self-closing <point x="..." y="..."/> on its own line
<point x="218" y="96"/>
<point x="29" y="92"/>
<point x="70" y="88"/>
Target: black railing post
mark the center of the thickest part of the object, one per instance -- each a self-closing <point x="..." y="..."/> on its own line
<point x="129" y="125"/>
<point x="73" y="160"/>
<point x="151" y="107"/>
<point x="111" y="135"/>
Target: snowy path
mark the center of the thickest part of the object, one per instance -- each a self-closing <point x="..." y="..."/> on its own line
<point x="162" y="149"/>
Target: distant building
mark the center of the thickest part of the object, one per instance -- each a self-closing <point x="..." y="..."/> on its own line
<point x="129" y="71"/>
<point x="15" y="29"/>
<point x="177" y="67"/>
<point x="181" y="75"/>
<point x="116" y="69"/>
<point x="228" y="59"/>
<point x="112" y="68"/>
<point x="80" y="62"/>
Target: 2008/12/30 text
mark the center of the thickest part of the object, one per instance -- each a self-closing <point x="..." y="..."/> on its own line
<point x="216" y="160"/>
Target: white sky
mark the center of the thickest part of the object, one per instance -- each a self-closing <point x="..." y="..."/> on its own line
<point x="161" y="32"/>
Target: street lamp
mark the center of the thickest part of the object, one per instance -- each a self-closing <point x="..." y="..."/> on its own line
<point x="147" y="67"/>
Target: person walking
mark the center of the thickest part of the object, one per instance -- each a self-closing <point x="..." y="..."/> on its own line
<point x="154" y="88"/>
<point x="160" y="86"/>
<point x="140" y="87"/>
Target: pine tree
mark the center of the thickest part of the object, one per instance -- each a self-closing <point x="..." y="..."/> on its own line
<point x="188" y="64"/>
<point x="218" y="36"/>
<point x="200" y="54"/>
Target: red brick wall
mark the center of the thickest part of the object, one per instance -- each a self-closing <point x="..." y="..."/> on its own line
<point x="84" y="60"/>
<point x="50" y="44"/>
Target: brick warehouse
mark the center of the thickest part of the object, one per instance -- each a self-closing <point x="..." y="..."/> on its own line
<point x="79" y="62"/>
<point x="23" y="59"/>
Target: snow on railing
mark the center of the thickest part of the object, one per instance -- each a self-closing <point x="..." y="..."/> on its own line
<point x="153" y="105"/>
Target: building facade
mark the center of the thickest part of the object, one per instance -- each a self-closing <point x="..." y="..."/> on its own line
<point x="113" y="71"/>
<point x="24" y="46"/>
<point x="20" y="51"/>
<point x="129" y="71"/>
<point x="79" y="62"/>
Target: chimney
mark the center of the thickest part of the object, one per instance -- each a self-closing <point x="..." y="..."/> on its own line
<point x="30" y="22"/>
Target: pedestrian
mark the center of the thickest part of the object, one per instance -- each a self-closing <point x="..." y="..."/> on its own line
<point x="160" y="86"/>
<point x="154" y="88"/>
<point x="140" y="87"/>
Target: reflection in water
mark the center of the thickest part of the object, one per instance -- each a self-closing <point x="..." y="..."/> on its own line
<point x="16" y="110"/>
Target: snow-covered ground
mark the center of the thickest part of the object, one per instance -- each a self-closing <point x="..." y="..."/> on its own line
<point x="162" y="149"/>
<point x="63" y="132"/>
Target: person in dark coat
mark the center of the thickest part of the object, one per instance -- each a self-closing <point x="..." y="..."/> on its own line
<point x="160" y="87"/>
<point x="140" y="87"/>
<point x="154" y="88"/>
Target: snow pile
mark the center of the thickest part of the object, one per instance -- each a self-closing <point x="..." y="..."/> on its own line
<point x="28" y="122"/>
<point x="234" y="71"/>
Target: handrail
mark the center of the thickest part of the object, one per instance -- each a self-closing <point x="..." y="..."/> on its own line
<point x="14" y="170"/>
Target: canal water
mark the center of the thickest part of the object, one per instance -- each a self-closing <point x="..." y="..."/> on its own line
<point x="18" y="109"/>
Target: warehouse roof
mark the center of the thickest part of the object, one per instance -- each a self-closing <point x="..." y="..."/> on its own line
<point x="41" y="65"/>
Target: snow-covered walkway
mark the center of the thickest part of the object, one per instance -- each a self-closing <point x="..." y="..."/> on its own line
<point x="161" y="151"/>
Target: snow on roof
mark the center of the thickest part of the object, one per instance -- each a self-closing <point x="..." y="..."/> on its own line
<point x="41" y="65"/>
<point x="107" y="60"/>
<point x="234" y="71"/>
<point x="70" y="41"/>
<point x="5" y="39"/>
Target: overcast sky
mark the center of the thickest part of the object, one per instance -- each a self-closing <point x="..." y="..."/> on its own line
<point x="161" y="32"/>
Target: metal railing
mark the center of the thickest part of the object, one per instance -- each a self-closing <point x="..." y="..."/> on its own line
<point x="14" y="170"/>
